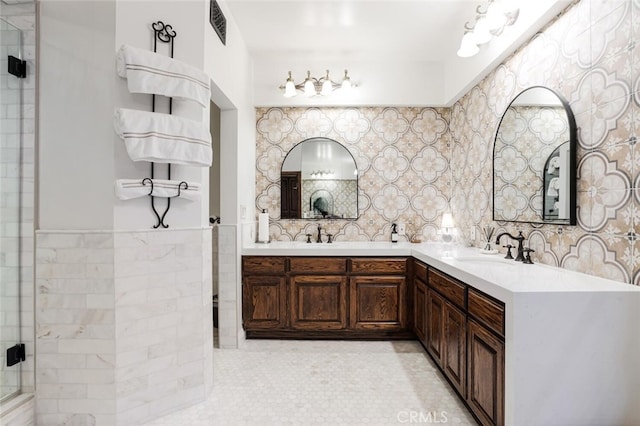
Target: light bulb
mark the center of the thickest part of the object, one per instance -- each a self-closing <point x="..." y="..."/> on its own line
<point x="309" y="88"/>
<point x="346" y="82"/>
<point x="327" y="87"/>
<point x="481" y="34"/>
<point x="468" y="46"/>
<point x="289" y="87"/>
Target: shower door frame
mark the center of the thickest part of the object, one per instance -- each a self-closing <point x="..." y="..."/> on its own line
<point x="11" y="134"/>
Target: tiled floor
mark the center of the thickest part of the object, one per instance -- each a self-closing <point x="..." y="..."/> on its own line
<point x="288" y="382"/>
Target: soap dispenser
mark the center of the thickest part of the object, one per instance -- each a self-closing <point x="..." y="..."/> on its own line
<point x="394" y="233"/>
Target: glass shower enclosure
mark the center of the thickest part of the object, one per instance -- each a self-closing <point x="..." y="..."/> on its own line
<point x="10" y="151"/>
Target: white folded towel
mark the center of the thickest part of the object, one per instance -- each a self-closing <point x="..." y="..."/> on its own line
<point x="163" y="138"/>
<point x="127" y="189"/>
<point x="149" y="72"/>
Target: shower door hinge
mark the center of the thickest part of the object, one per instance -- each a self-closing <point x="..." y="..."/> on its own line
<point x="16" y="354"/>
<point x="17" y="67"/>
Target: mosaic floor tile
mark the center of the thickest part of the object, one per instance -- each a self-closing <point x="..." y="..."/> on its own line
<point x="270" y="382"/>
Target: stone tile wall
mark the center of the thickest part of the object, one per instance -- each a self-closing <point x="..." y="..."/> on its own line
<point x="123" y="324"/>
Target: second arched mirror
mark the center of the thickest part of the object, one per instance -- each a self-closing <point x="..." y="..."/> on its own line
<point x="534" y="160"/>
<point x="319" y="179"/>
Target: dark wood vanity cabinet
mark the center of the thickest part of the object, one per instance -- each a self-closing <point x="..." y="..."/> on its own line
<point x="454" y="359"/>
<point x="486" y="374"/>
<point x="464" y="335"/>
<point x="318" y="293"/>
<point x="318" y="302"/>
<point x="420" y="301"/>
<point x="326" y="297"/>
<point x="264" y="293"/>
<point x="435" y="315"/>
<point x="378" y="300"/>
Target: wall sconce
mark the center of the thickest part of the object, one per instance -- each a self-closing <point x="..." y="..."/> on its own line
<point x="447" y="231"/>
<point x="312" y="86"/>
<point x="490" y="23"/>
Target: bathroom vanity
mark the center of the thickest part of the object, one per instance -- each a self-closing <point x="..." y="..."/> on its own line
<point x="325" y="297"/>
<point x="520" y="344"/>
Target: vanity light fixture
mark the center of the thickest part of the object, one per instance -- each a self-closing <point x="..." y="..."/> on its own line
<point x="489" y="23"/>
<point x="312" y="86"/>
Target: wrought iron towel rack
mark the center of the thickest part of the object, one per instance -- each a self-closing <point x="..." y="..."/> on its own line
<point x="163" y="33"/>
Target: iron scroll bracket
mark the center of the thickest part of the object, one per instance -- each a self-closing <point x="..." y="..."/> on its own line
<point x="163" y="33"/>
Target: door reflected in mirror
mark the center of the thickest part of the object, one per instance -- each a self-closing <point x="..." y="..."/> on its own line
<point x="319" y="179"/>
<point x="534" y="169"/>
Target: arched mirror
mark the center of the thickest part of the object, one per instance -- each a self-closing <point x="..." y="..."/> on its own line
<point x="319" y="179"/>
<point x="534" y="160"/>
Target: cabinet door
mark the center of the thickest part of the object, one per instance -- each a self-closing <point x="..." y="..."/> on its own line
<point x="486" y="375"/>
<point x="454" y="358"/>
<point x="377" y="303"/>
<point x="420" y="310"/>
<point x="318" y="302"/>
<point x="263" y="302"/>
<point x="435" y="313"/>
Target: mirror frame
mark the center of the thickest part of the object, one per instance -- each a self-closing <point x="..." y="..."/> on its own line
<point x="357" y="179"/>
<point x="573" y="142"/>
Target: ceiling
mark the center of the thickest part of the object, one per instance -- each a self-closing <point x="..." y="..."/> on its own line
<point x="378" y="41"/>
<point x="425" y="30"/>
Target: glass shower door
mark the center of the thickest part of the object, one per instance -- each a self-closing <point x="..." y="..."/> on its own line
<point x="10" y="142"/>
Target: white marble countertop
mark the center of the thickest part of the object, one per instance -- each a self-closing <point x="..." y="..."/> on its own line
<point x="490" y="273"/>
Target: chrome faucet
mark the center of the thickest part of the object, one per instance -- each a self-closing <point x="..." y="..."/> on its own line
<point x="319" y="239"/>
<point x="519" y="239"/>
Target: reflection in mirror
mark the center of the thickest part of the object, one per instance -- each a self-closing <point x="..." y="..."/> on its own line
<point x="534" y="176"/>
<point x="319" y="179"/>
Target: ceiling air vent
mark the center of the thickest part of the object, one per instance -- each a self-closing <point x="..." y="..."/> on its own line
<point x="218" y="21"/>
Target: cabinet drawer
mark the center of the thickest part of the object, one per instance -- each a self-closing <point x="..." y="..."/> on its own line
<point x="318" y="265"/>
<point x="420" y="271"/>
<point x="488" y="311"/>
<point x="452" y="290"/>
<point x="263" y="265"/>
<point x="378" y="265"/>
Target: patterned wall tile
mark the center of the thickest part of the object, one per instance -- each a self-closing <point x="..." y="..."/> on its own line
<point x="599" y="256"/>
<point x="593" y="66"/>
<point x="402" y="155"/>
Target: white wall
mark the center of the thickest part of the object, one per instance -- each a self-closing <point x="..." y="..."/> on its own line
<point x="133" y="26"/>
<point x="79" y="90"/>
<point x="230" y="69"/>
<point x="77" y="93"/>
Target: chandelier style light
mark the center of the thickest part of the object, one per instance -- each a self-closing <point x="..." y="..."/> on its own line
<point x="490" y="23"/>
<point x="312" y="86"/>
